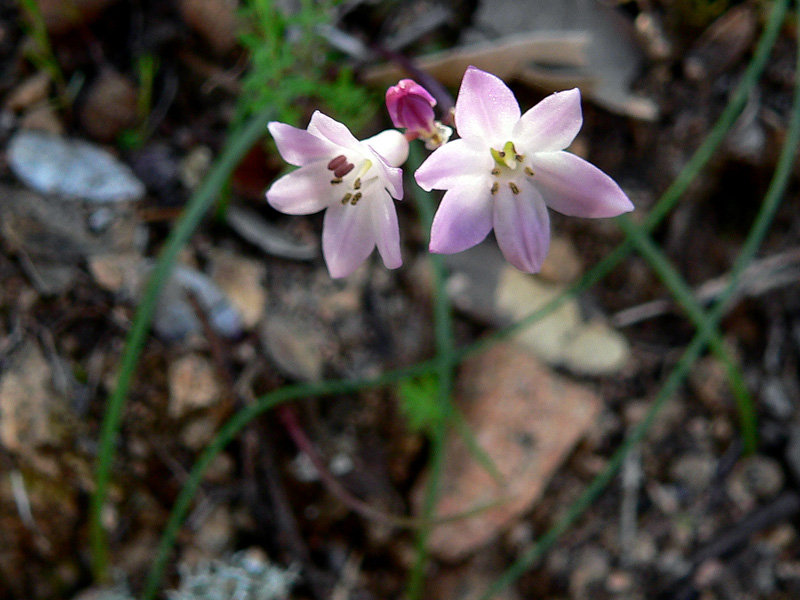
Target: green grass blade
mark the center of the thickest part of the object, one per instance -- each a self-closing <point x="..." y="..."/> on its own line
<point x="237" y="147"/>
<point x="443" y="327"/>
<point x="683" y="294"/>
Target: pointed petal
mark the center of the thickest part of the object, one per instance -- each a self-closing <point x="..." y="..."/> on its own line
<point x="464" y="217"/>
<point x="304" y="191"/>
<point x="522" y="227"/>
<point x="386" y="230"/>
<point x="486" y="109"/>
<point x="550" y="125"/>
<point x="391" y="177"/>
<point x="297" y="146"/>
<point x="449" y="164"/>
<point x="347" y="237"/>
<point x="575" y="187"/>
<point x="391" y="145"/>
<point x="333" y="131"/>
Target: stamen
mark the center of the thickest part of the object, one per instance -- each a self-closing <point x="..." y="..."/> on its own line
<point x="357" y="183"/>
<point x="336" y="180"/>
<point x="343" y="169"/>
<point x="495" y="171"/>
<point x="528" y="171"/>
<point x="356" y="198"/>
<point x="366" y="166"/>
<point x="495" y="187"/>
<point x="346" y="198"/>
<point x="337" y="162"/>
<point x="507" y="157"/>
<point x="513" y="187"/>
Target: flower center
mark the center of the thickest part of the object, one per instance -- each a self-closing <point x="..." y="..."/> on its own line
<point x="351" y="179"/>
<point x="505" y="168"/>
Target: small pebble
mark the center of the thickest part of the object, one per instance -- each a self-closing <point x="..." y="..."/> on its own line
<point x="694" y="471"/>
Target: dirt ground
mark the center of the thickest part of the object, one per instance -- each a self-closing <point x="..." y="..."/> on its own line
<point x="690" y="516"/>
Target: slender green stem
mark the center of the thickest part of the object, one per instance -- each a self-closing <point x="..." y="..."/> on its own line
<point x="239" y="144"/>
<point x="683" y="294"/>
<point x="754" y="239"/>
<point x="443" y="326"/>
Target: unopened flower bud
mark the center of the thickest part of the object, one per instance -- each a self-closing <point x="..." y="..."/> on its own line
<point x="411" y="106"/>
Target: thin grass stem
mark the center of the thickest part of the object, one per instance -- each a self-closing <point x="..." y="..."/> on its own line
<point x="237" y="147"/>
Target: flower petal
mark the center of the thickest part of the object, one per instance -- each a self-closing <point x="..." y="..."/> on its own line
<point x="449" y="164"/>
<point x="391" y="145"/>
<point x="575" y="187"/>
<point x="297" y="146"/>
<point x="522" y="227"/>
<point x="550" y="125"/>
<point x="385" y="228"/>
<point x="304" y="191"/>
<point x="486" y="109"/>
<point x="464" y="217"/>
<point x="333" y="131"/>
<point x="347" y="237"/>
<point x="391" y="177"/>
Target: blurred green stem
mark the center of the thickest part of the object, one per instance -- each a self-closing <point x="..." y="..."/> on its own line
<point x="239" y="143"/>
<point x="681" y="291"/>
<point x="445" y="364"/>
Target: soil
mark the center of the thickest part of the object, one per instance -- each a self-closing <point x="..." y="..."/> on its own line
<point x="689" y="517"/>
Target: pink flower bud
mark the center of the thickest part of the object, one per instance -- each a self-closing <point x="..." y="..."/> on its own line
<point x="411" y="106"/>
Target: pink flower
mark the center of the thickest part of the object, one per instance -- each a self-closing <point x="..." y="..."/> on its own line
<point x="507" y="169"/>
<point x="354" y="180"/>
<point x="411" y="107"/>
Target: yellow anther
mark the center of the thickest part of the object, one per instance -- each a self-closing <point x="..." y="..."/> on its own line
<point x="513" y="187"/>
<point x="528" y="171"/>
<point x="346" y="198"/>
<point x="356" y="198"/>
<point x="495" y="187"/>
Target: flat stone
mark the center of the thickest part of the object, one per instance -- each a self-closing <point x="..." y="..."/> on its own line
<point x="214" y="20"/>
<point x="71" y="168"/>
<point x="32" y="90"/>
<point x="192" y="385"/>
<point x="527" y="420"/>
<point x="241" y="279"/>
<point x="110" y="106"/>
<point x="28" y="406"/>
<point x="484" y="286"/>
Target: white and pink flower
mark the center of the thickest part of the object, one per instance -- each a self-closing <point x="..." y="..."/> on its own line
<point x="353" y="181"/>
<point x="507" y="168"/>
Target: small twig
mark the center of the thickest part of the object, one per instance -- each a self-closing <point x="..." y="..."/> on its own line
<point x="217" y="349"/>
<point x="780" y="509"/>
<point x="631" y="483"/>
<point x="760" y="277"/>
<point x="784" y="507"/>
<point x="304" y="444"/>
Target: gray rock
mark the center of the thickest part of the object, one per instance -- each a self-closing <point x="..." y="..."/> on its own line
<point x="75" y="169"/>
